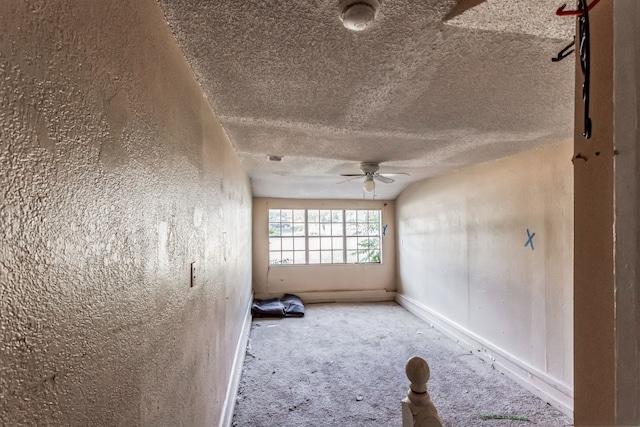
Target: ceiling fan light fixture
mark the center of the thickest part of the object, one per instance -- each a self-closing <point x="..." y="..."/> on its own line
<point x="358" y="15"/>
<point x="369" y="186"/>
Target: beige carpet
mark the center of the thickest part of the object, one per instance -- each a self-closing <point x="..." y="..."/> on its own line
<point x="343" y="365"/>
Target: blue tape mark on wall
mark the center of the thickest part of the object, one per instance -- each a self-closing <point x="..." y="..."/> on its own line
<point x="530" y="239"/>
<point x="384" y="230"/>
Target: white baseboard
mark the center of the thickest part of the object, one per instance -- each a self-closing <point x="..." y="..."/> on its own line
<point x="236" y="370"/>
<point x="537" y="382"/>
<point x="339" y="296"/>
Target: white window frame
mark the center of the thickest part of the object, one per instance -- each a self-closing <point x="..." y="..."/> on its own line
<point x="309" y="248"/>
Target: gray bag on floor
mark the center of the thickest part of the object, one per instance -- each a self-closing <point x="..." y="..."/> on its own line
<point x="287" y="306"/>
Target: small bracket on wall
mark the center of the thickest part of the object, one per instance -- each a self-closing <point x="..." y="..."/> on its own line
<point x="193" y="274"/>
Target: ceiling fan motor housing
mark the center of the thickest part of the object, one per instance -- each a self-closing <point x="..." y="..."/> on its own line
<point x="369" y="168"/>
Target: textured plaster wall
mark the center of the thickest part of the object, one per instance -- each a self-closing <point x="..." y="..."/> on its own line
<point x="114" y="176"/>
<point x="462" y="254"/>
<point x="310" y="279"/>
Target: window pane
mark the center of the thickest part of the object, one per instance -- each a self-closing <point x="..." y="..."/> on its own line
<point x="374" y="216"/>
<point x="336" y="216"/>
<point x="314" y="229"/>
<point x="314" y="243"/>
<point x="287" y="257"/>
<point x="298" y="215"/>
<point x="325" y="257"/>
<point x="325" y="243"/>
<point x="286" y="215"/>
<point x="350" y="216"/>
<point x="352" y="257"/>
<point x="363" y="229"/>
<point x="352" y="229"/>
<point x="274" y="229"/>
<point x="287" y="244"/>
<point x="298" y="229"/>
<point x="274" y="215"/>
<point x="298" y="244"/>
<point x="338" y="257"/>
<point x="374" y="229"/>
<point x="337" y="243"/>
<point x="362" y="216"/>
<point x="352" y="243"/>
<point x="287" y="229"/>
<point x="325" y="216"/>
<point x="274" y="244"/>
<point x="373" y="257"/>
<point x="299" y="257"/>
<point x="336" y="229"/>
<point x="369" y="250"/>
<point x="314" y="257"/>
<point x="313" y="216"/>
<point x="325" y="229"/>
<point x="274" y="257"/>
<point x="363" y="243"/>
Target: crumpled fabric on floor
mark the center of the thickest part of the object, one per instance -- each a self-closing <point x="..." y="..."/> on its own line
<point x="288" y="306"/>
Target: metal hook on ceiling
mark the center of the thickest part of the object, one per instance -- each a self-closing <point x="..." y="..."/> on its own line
<point x="563" y="53"/>
<point x="582" y="41"/>
<point x="579" y="12"/>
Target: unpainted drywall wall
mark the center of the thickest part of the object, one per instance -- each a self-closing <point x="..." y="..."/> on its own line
<point x="353" y="281"/>
<point x="463" y="254"/>
<point x="114" y="177"/>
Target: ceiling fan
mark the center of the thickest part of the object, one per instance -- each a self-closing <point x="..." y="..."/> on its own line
<point x="370" y="173"/>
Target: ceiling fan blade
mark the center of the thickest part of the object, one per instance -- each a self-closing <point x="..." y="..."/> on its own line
<point x="395" y="173"/>
<point x="383" y="179"/>
<point x="353" y="174"/>
<point x="350" y="179"/>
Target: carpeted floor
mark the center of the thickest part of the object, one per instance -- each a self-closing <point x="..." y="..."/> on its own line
<point x="343" y="365"/>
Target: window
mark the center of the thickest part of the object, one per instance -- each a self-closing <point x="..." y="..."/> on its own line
<point x="324" y="236"/>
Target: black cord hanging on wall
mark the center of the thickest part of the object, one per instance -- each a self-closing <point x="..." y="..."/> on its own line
<point x="582" y="15"/>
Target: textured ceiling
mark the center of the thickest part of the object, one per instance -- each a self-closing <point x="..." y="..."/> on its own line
<point x="432" y="86"/>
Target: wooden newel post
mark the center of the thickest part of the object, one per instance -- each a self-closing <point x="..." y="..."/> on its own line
<point x="417" y="408"/>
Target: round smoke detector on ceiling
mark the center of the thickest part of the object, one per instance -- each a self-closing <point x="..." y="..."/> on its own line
<point x="358" y="15"/>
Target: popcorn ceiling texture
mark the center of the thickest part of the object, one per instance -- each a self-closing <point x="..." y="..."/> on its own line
<point x="521" y="17"/>
<point x="114" y="176"/>
<point x="420" y="93"/>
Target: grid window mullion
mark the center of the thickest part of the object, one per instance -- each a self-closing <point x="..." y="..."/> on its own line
<point x="306" y="237"/>
<point x="344" y="235"/>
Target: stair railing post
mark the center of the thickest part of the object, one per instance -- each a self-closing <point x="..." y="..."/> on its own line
<point x="417" y="408"/>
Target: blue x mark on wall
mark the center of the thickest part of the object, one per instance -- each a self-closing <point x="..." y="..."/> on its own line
<point x="530" y="239"/>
